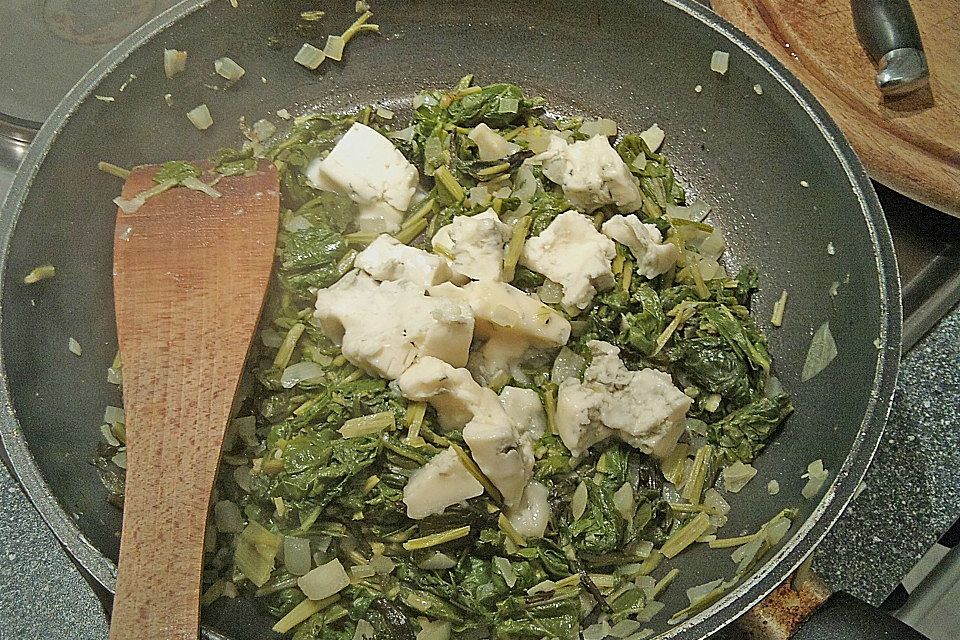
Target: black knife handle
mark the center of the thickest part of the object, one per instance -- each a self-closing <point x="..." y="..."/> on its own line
<point x="885" y="25"/>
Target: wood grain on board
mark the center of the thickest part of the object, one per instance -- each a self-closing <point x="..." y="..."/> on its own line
<point x="911" y="144"/>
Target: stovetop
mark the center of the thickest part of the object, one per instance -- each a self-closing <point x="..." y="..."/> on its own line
<point x="913" y="487"/>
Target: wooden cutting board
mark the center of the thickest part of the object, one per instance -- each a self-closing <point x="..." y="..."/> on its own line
<point x="910" y="144"/>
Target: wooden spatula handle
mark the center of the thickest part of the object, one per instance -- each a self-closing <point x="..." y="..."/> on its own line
<point x="161" y="550"/>
<point x="190" y="275"/>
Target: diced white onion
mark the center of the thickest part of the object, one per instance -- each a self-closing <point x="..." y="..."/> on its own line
<point x="199" y="185"/>
<point x="334" y="48"/>
<point x="623" y="501"/>
<point x="296" y="555"/>
<point x="362" y="571"/>
<point x="309" y="56"/>
<point x="74" y="347"/>
<point x="437" y="561"/>
<point x="653" y="137"/>
<point x="598" y="631"/>
<point x="696" y="211"/>
<point x="567" y="365"/>
<point x="241" y="475"/>
<point x="324" y="581"/>
<point x="714" y="500"/>
<point x="550" y="292"/>
<point x="113" y="415"/>
<point x="478" y="195"/>
<point x="294" y="224"/>
<point x="300" y="372"/>
<point x="200" y="117"/>
<point x="364" y="631"/>
<point x="108" y="436"/>
<point x="720" y="62"/>
<point x="737" y="475"/>
<point x="541" y="587"/>
<point x="599" y="127"/>
<point x="578" y="503"/>
<point x="174" y="62"/>
<point x="382" y="564"/>
<point x="699" y="592"/>
<point x="120" y="459"/>
<point x="263" y="130"/>
<point x="384" y="113"/>
<point x="745" y="553"/>
<point x="506" y="570"/>
<point x="228" y="69"/>
<point x="625" y="628"/>
<point x="434" y="630"/>
<point x="777" y="529"/>
<point x="227" y="517"/>
<point x="816" y="476"/>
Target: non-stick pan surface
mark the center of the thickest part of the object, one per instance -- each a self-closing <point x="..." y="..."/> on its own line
<point x="747" y="154"/>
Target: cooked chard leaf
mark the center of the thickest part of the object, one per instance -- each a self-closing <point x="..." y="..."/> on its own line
<point x="744" y="433"/>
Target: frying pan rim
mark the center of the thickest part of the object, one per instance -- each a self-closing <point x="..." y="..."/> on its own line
<point x="776" y="569"/>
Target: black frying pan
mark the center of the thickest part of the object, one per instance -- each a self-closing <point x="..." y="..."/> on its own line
<point x="636" y="61"/>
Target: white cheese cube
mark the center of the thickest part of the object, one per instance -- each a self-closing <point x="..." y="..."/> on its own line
<point x="442" y="482"/>
<point x="591" y="173"/>
<point x="525" y="410"/>
<point x="531" y="516"/>
<point x="384" y="327"/>
<point x="654" y="257"/>
<point x="500" y="354"/>
<point x="502" y="454"/>
<point x="451" y="391"/>
<point x="571" y="252"/>
<point x="365" y="166"/>
<point x="643" y="408"/>
<point x="498" y="306"/>
<point x="386" y="258"/>
<point x="476" y="245"/>
<point x="490" y="144"/>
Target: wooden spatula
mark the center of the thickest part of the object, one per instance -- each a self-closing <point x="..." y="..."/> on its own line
<point x="190" y="275"/>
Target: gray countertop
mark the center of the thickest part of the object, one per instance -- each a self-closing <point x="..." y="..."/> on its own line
<point x="911" y="498"/>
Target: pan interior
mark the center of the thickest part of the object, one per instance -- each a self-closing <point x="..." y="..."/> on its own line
<point x="745" y="153"/>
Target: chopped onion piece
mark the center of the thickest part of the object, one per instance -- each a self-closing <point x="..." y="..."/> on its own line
<point x="364" y="631"/>
<point x="599" y="127"/>
<point x="384" y="113"/>
<point x="737" y="475"/>
<point x="283" y="114"/>
<point x="506" y="570"/>
<point x="775" y="531"/>
<point x="758" y="89"/>
<point x="541" y="587"/>
<point x="74" y="347"/>
<point x="199" y="185"/>
<point x="296" y="555"/>
<point x="174" y="62"/>
<point x="263" y="130"/>
<point x="598" y="631"/>
<point x="108" y="436"/>
<point x="228" y="69"/>
<point x="324" y="581"/>
<point x="113" y="415"/>
<point x="720" y="62"/>
<point x="362" y="571"/>
<point x="696" y="211"/>
<point x="382" y="564"/>
<point x="578" y="503"/>
<point x="241" y="475"/>
<point x="437" y="561"/>
<point x="200" y="117"/>
<point x="300" y="372"/>
<point x="747" y="552"/>
<point x="40" y="273"/>
<point x="294" y="224"/>
<point x="550" y="292"/>
<point x="623" y="501"/>
<point x="713" y="499"/>
<point x="699" y="592"/>
<point x="334" y="48"/>
<point x="567" y="365"/>
<point x="625" y="628"/>
<point x="773" y="487"/>
<point x="434" y="630"/>
<point x="478" y="195"/>
<point x="816" y="476"/>
<point x="653" y="137"/>
<point x="309" y="56"/>
<point x="227" y="517"/>
<point x="120" y="459"/>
